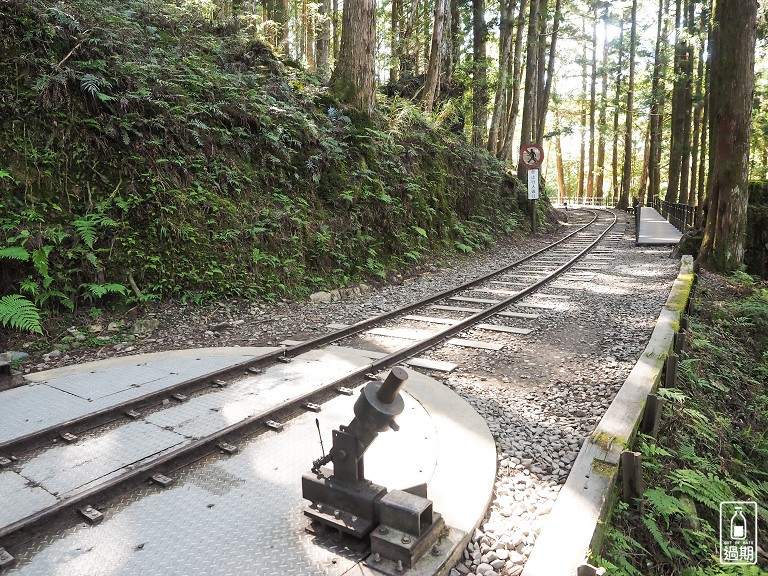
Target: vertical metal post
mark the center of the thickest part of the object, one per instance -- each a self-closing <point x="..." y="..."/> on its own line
<point x="531" y="157"/>
<point x="392" y="384"/>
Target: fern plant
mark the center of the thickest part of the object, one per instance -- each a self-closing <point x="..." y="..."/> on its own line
<point x="14" y="253"/>
<point x="19" y="313"/>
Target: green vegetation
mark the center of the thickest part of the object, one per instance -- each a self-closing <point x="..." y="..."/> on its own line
<point x="150" y="153"/>
<point x="714" y="444"/>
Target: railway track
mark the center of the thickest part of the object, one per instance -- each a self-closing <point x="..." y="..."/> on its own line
<point x="185" y="417"/>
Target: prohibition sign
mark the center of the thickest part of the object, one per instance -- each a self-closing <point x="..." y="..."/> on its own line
<point x="531" y="155"/>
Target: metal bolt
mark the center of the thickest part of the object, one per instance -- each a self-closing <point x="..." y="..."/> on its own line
<point x="383" y="530"/>
<point x="399" y="569"/>
<point x="405" y="539"/>
<point x="337" y="513"/>
<point x="377" y="557"/>
<point x="354" y="519"/>
<point x="435" y="550"/>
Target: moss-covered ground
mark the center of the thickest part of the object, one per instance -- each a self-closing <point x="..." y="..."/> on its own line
<point x="148" y="153"/>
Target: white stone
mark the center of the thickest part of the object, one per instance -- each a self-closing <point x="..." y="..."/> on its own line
<point x="320" y="297"/>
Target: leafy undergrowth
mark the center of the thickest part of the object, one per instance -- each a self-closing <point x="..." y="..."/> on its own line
<point x="713" y="446"/>
<point x="147" y="152"/>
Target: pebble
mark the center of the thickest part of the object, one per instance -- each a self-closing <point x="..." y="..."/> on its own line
<point x="320" y="297"/>
<point x="12" y="355"/>
<point x="540" y="408"/>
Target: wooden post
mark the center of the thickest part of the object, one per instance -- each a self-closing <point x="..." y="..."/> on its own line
<point x="652" y="415"/>
<point x="670" y="371"/>
<point x="589" y="570"/>
<point x="631" y="476"/>
<point x="679" y="339"/>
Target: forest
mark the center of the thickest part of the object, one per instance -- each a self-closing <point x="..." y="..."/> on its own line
<point x="134" y="135"/>
<point x="203" y="152"/>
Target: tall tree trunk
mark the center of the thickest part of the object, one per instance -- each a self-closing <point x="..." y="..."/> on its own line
<point x="698" y="109"/>
<point x="425" y="34"/>
<point x="505" y="44"/>
<point x="600" y="171"/>
<point x="560" y="172"/>
<point x="529" y="98"/>
<point x="678" y="109"/>
<point x="644" y="173"/>
<point x="433" y="68"/>
<point x="353" y="78"/>
<point x="335" y="22"/>
<point x="657" y="102"/>
<point x="323" y="47"/>
<point x="479" y="74"/>
<point x="583" y="127"/>
<point x="409" y="48"/>
<point x="394" y="40"/>
<point x="446" y="48"/>
<point x="732" y="90"/>
<point x="616" y="105"/>
<point x="300" y="17"/>
<point x="541" y="68"/>
<point x="283" y="11"/>
<point x="685" y="162"/>
<point x="310" y="24"/>
<point x="544" y="106"/>
<point x="456" y="37"/>
<point x="705" y="122"/>
<point x="592" y="106"/>
<point x="506" y="151"/>
<point x="627" y="171"/>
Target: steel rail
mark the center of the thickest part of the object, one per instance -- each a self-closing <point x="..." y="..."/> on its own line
<point x="79" y="424"/>
<point x="198" y="449"/>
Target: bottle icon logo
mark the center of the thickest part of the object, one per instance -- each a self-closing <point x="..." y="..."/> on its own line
<point x="738" y="533"/>
<point x="738" y="525"/>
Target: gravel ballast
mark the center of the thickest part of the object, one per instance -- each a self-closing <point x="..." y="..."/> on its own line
<point x="541" y="395"/>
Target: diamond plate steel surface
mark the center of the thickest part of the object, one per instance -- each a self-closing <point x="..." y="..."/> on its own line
<point x="172" y="371"/>
<point x="18" y="495"/>
<point x="30" y="408"/>
<point x="101" y="383"/>
<point x="34" y="407"/>
<point x="64" y="470"/>
<point x="238" y="514"/>
<point x="205" y="414"/>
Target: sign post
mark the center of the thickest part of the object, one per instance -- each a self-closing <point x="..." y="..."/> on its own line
<point x="531" y="156"/>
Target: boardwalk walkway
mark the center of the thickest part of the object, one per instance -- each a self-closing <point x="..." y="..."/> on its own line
<point x="654" y="229"/>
